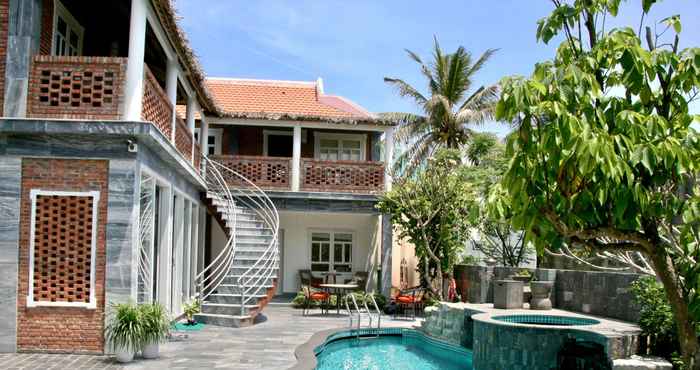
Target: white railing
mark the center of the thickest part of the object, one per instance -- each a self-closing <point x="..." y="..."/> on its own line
<point x="212" y="275"/>
<point x="249" y="196"/>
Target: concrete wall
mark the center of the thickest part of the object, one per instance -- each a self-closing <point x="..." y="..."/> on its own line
<point x="297" y="227"/>
<point x="598" y="293"/>
<point x="10" y="187"/>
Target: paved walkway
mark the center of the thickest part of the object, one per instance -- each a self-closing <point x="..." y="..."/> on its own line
<point x="269" y="344"/>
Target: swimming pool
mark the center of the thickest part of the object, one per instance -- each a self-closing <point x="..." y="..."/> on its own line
<point x="389" y="349"/>
<point x="552" y="320"/>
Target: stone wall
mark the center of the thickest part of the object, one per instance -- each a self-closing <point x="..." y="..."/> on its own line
<point x="447" y="322"/>
<point x="598" y="293"/>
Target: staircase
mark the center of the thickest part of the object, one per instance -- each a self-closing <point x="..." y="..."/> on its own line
<point x="242" y="278"/>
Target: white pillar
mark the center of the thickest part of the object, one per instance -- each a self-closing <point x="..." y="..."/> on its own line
<point x="191" y="106"/>
<point x="203" y="134"/>
<point x="388" y="156"/>
<point x="171" y="90"/>
<point x="133" y="88"/>
<point x="296" y="158"/>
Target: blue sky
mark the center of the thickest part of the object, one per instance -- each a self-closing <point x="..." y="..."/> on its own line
<point x="352" y="45"/>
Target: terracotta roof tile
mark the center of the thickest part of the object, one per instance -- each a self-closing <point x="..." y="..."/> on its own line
<point x="292" y="98"/>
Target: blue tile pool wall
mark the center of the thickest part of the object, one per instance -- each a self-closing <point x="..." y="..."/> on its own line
<point x="546" y="320"/>
<point x="513" y="347"/>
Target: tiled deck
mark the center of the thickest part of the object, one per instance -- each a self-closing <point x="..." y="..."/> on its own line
<point x="267" y="345"/>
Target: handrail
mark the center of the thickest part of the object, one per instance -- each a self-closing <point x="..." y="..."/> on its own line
<point x="359" y="314"/>
<point x="376" y="308"/>
<point x="347" y="308"/>
<point x="247" y="196"/>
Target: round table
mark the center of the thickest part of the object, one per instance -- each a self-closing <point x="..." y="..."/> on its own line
<point x="337" y="289"/>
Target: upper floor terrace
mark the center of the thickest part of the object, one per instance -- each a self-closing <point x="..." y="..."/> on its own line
<point x="123" y="60"/>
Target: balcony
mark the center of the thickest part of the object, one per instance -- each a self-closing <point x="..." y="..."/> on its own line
<point x="92" y="88"/>
<point x="274" y="173"/>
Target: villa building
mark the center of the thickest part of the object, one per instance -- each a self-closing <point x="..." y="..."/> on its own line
<point x="127" y="175"/>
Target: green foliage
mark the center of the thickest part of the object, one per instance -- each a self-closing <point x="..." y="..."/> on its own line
<point x="480" y="146"/>
<point x="360" y="297"/>
<point x="604" y="155"/>
<point x="434" y="211"/>
<point x="155" y="322"/>
<point x="468" y="259"/>
<point x="191" y="308"/>
<point x="124" y="329"/>
<point x="447" y="112"/>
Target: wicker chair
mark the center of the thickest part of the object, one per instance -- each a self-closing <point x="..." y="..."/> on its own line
<point x="411" y="298"/>
<point x="315" y="295"/>
<point x="307" y="278"/>
<point x="359" y="278"/>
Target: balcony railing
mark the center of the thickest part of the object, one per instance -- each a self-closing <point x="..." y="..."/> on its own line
<point x="92" y="88"/>
<point x="265" y="172"/>
<point x="342" y="176"/>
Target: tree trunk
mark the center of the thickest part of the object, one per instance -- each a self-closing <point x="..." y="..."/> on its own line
<point x="687" y="337"/>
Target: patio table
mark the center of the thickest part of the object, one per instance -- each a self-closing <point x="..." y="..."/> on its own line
<point x="337" y="289"/>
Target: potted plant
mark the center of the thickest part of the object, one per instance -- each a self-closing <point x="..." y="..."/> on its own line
<point x="523" y="275"/>
<point x="190" y="309"/>
<point x="156" y="327"/>
<point x="124" y="331"/>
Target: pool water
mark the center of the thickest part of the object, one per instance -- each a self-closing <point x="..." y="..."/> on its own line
<point x="389" y="352"/>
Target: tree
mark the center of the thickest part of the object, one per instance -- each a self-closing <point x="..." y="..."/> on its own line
<point x="447" y="112"/>
<point x="603" y="157"/>
<point x="434" y="211"/>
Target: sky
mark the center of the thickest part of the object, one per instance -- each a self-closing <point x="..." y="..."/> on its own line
<point x="354" y="44"/>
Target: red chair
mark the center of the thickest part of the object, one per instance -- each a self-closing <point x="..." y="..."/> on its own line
<point x="315" y="295"/>
<point x="411" y="298"/>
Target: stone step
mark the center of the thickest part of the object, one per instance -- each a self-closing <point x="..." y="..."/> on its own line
<point x="235" y="298"/>
<point x="235" y="275"/>
<point x="234" y="289"/>
<point x="224" y="320"/>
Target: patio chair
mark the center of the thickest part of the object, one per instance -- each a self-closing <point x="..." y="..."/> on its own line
<point x="359" y="278"/>
<point x="307" y="278"/>
<point x="411" y="298"/>
<point x="312" y="294"/>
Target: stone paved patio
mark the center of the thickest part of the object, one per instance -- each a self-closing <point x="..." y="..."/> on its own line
<point x="269" y="344"/>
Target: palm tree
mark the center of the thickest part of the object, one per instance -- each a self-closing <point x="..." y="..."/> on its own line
<point x="447" y="113"/>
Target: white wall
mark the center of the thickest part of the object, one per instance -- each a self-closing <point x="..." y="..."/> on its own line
<point x="297" y="246"/>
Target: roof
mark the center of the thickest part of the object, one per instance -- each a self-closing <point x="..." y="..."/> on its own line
<point x="285" y="100"/>
<point x="168" y="17"/>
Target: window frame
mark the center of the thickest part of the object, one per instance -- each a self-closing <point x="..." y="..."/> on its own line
<point x="331" y="253"/>
<point x="217" y="134"/>
<point x="33" y="193"/>
<point x="362" y="138"/>
<point x="59" y="10"/>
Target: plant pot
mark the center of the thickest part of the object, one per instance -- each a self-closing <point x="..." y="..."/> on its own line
<point x="541" y="291"/>
<point x="507" y="294"/>
<point x="151" y="351"/>
<point x="123" y="355"/>
<point x="523" y="278"/>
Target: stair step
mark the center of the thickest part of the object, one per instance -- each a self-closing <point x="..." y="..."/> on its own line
<point x="224" y="320"/>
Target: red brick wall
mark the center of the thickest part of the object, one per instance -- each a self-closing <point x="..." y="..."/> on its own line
<point x="61" y="329"/>
<point x="46" y="27"/>
<point x="4" y="14"/>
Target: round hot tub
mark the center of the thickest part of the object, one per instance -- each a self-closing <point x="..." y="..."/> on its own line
<point x="552" y="320"/>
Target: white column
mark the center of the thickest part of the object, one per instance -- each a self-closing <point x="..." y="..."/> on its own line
<point x="388" y="156"/>
<point x="191" y="106"/>
<point x="171" y="90"/>
<point x="133" y="88"/>
<point x="296" y="158"/>
<point x="203" y="134"/>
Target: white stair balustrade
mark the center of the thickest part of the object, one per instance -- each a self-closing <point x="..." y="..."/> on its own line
<point x="240" y="280"/>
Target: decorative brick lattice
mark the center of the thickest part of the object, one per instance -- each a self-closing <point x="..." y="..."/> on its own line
<point x="156" y="107"/>
<point x="62" y="248"/>
<point x="76" y="87"/>
<point x="342" y="176"/>
<point x="265" y="172"/>
<point x="183" y="139"/>
<point x="197" y="158"/>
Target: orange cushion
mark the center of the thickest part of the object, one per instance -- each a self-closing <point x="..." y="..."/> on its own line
<point x="317" y="296"/>
<point x="405" y="299"/>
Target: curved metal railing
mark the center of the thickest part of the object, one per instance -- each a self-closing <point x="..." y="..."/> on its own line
<point x="251" y="197"/>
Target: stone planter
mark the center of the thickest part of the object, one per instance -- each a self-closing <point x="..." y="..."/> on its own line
<point x="541" y="290"/>
<point x="151" y="351"/>
<point x="524" y="279"/>
<point x="123" y="355"/>
<point x="507" y="294"/>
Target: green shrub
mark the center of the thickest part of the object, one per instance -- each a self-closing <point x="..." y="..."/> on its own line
<point x="155" y="322"/>
<point x="190" y="309"/>
<point x="656" y="318"/>
<point x="298" y="301"/>
<point x="124" y="329"/>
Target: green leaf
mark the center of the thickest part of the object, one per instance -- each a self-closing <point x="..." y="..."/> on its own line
<point x="673" y="21"/>
<point x="646" y="5"/>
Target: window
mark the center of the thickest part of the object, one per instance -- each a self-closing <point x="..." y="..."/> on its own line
<point x="331" y="251"/>
<point x="62" y="248"/>
<point x="213" y="141"/>
<point x="67" y="32"/>
<point x="340" y="147"/>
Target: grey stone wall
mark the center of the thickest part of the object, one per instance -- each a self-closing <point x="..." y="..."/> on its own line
<point x="10" y="190"/>
<point x="597" y="293"/>
<point x="447" y="322"/>
<point x="605" y="294"/>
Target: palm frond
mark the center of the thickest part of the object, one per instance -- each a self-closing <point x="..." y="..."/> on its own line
<point x="415" y="155"/>
<point x="476" y="67"/>
<point x="406" y="90"/>
<point x="484" y="98"/>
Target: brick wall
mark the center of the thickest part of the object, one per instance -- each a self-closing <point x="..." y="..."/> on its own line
<point x="46" y="27"/>
<point x="61" y="329"/>
<point x="4" y="14"/>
